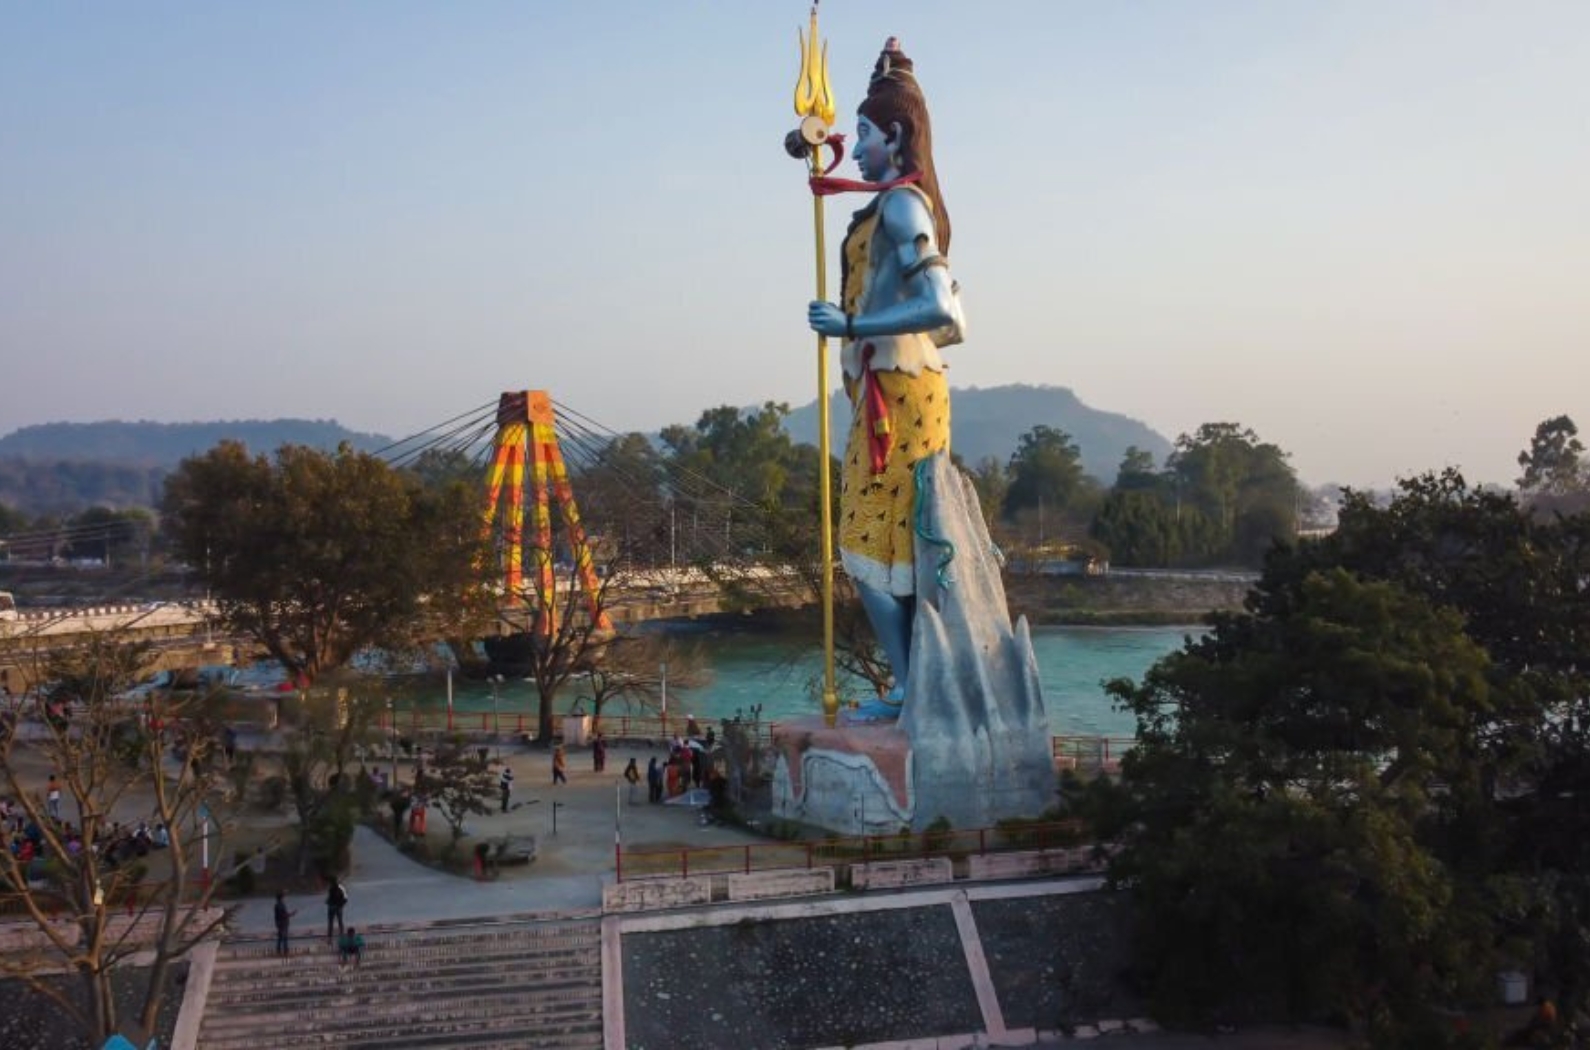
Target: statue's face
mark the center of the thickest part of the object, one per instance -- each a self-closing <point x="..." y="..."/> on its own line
<point x="874" y="154"/>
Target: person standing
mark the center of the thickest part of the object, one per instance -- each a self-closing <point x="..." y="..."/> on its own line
<point x="505" y="785"/>
<point x="52" y="798"/>
<point x="283" y="921"/>
<point x="654" y="780"/>
<point x="336" y="900"/>
<point x="632" y="776"/>
<point x="560" y="765"/>
<point x="599" y="753"/>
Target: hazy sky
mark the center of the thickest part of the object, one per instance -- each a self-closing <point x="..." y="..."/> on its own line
<point x="1361" y="227"/>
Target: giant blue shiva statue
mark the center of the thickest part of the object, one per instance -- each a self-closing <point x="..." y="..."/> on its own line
<point x="962" y="734"/>
<point x="899" y="308"/>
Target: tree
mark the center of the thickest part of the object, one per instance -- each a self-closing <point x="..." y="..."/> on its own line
<point x="635" y="666"/>
<point x="314" y="555"/>
<point x="1553" y="462"/>
<point x="326" y="729"/>
<point x="1405" y="702"/>
<point x="623" y="493"/>
<point x="1045" y="471"/>
<point x="1137" y="471"/>
<point x="12" y="520"/>
<point x="1139" y="529"/>
<point x="1292" y="770"/>
<point x="109" y="535"/>
<point x="740" y="485"/>
<point x="553" y="654"/>
<point x="459" y="782"/>
<point x="95" y="904"/>
<point x="1243" y="486"/>
<point x="457" y="607"/>
<point x="992" y="484"/>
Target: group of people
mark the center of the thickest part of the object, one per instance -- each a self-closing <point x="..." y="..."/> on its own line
<point x="689" y="764"/>
<point x="27" y="841"/>
<point x="349" y="942"/>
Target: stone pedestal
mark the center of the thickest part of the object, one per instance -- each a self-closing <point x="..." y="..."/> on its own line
<point x="855" y="780"/>
<point x="972" y="745"/>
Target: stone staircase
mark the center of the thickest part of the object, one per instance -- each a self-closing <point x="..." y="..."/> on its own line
<point x="480" y="985"/>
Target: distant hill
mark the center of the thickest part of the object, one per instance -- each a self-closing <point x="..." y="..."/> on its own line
<point x="64" y="468"/>
<point x="167" y="444"/>
<point x="990" y="422"/>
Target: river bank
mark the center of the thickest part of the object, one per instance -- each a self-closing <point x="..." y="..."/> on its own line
<point x="1121" y="600"/>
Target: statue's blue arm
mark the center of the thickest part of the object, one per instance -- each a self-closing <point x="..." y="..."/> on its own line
<point x="928" y="303"/>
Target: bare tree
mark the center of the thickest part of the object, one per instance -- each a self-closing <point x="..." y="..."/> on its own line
<point x="91" y="898"/>
<point x="567" y="635"/>
<point x="635" y="668"/>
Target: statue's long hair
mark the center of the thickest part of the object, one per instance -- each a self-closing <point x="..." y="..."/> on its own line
<point x="893" y="97"/>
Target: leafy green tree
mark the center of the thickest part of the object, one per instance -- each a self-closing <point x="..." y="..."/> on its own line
<point x="439" y="468"/>
<point x="1289" y="770"/>
<point x="325" y="727"/>
<point x="623" y="497"/>
<point x="1045" y="471"/>
<point x="1553" y="463"/>
<point x="111" y="535"/>
<point x="1245" y="487"/>
<point x="745" y="452"/>
<point x="314" y="555"/>
<point x="11" y="520"/>
<point x="459" y="781"/>
<point x="1437" y="643"/>
<point x="1139" y="529"/>
<point x="1137" y="472"/>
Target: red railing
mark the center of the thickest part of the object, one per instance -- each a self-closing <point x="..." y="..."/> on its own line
<point x="1085" y="752"/>
<point x="833" y="852"/>
<point x="1091" y="752"/>
<point x="417" y="721"/>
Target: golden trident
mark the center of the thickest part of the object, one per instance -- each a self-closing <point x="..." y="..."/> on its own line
<point x="814" y="104"/>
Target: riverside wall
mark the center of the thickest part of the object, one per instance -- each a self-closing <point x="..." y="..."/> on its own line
<point x="1118" y="599"/>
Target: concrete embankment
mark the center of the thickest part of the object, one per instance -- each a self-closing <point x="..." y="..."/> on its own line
<point x="1120" y="598"/>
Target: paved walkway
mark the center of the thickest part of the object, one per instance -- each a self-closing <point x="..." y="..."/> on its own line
<point x="385" y="886"/>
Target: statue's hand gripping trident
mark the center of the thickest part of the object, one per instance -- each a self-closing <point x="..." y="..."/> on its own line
<point x="814" y="104"/>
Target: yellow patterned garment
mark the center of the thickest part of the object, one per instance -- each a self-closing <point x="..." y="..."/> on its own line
<point x="876" y="543"/>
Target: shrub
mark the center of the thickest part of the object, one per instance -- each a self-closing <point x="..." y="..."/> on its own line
<point x="330" y="836"/>
<point x="241" y="881"/>
<point x="271" y="794"/>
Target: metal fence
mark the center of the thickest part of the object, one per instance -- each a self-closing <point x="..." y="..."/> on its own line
<point x="1088" y="753"/>
<point x="1091" y="752"/>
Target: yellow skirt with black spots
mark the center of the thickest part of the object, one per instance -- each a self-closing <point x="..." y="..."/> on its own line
<point x="876" y="542"/>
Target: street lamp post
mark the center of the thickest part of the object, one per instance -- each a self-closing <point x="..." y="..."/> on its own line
<point x="496" y="717"/>
<point x="391" y="718"/>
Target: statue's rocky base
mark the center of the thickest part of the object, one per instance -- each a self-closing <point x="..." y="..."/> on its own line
<point x="973" y="743"/>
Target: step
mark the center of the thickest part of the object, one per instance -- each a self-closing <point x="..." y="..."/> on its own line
<point x="380" y="942"/>
<point x="461" y="933"/>
<point x="329" y="996"/>
<point x="310" y="969"/>
<point x="353" y="994"/>
<point x="471" y="985"/>
<point x="387" y="1032"/>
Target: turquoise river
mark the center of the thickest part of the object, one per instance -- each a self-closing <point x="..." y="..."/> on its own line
<point x="782" y="673"/>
